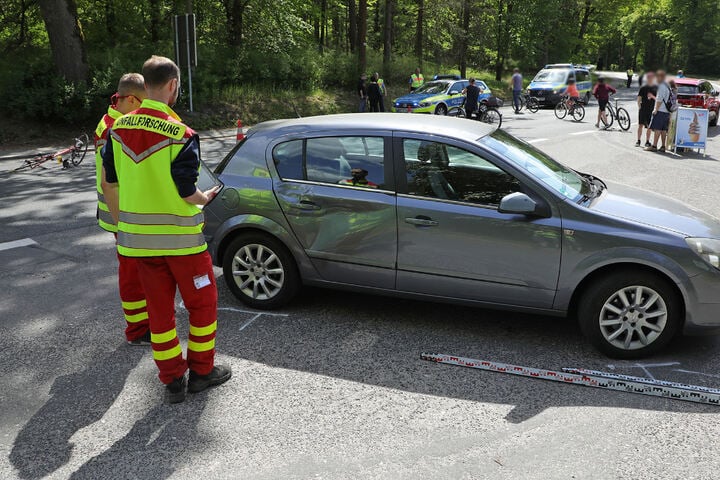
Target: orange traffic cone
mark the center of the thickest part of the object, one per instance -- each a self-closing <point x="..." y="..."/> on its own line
<point x="240" y="135"/>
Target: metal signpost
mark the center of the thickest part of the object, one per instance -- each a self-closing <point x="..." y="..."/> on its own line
<point x="591" y="378"/>
<point x="186" y="47"/>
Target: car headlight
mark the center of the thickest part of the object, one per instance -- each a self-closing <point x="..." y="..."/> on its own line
<point x="707" y="248"/>
<point x="425" y="104"/>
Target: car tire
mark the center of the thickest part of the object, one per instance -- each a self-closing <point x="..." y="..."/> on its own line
<point x="260" y="271"/>
<point x="441" y="109"/>
<point x="620" y="326"/>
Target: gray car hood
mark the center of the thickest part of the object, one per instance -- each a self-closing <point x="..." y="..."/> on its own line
<point x="655" y="210"/>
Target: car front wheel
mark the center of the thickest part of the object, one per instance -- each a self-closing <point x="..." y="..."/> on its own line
<point x="260" y="271"/>
<point x="441" y="109"/>
<point x="630" y="315"/>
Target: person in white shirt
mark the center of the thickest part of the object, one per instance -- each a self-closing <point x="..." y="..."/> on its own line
<point x="661" y="115"/>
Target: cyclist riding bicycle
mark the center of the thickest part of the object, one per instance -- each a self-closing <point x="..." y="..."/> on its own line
<point x="572" y="94"/>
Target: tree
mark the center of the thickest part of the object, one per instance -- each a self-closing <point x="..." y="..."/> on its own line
<point x="66" y="40"/>
<point x="388" y="34"/>
<point x="362" y="35"/>
<point x="234" y="12"/>
<point x="464" y="34"/>
<point x="419" y="31"/>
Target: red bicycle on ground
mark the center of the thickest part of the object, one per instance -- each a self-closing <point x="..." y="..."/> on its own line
<point x="68" y="157"/>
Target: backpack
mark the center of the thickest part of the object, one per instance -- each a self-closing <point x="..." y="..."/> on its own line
<point x="671" y="103"/>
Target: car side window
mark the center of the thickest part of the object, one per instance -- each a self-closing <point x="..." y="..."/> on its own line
<point x="580" y="76"/>
<point x="437" y="170"/>
<point x="351" y="161"/>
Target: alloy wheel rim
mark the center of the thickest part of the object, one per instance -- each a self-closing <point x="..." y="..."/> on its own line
<point x="258" y="272"/>
<point x="633" y="317"/>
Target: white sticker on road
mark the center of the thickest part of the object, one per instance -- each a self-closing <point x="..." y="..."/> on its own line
<point x="25" y="242"/>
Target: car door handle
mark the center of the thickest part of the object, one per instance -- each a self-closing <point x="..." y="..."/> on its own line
<point x="305" y="205"/>
<point x="421" y="221"/>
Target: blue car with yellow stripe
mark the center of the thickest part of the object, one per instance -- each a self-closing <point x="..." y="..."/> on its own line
<point x="437" y="97"/>
<point x="550" y="83"/>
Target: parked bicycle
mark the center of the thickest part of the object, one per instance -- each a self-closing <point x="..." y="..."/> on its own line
<point x="68" y="157"/>
<point x="484" y="113"/>
<point x="529" y="102"/>
<point x="576" y="109"/>
<point x="613" y="112"/>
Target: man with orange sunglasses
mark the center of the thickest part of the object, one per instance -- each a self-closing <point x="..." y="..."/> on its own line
<point x="129" y="96"/>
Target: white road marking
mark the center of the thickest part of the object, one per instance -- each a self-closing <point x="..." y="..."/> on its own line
<point x="538" y="140"/>
<point x="696" y="373"/>
<point x="644" y="367"/>
<point x="17" y="243"/>
<point x="181" y="304"/>
<point x="584" y="132"/>
<point x="249" y="322"/>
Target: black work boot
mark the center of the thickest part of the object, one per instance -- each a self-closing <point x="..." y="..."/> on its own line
<point x="176" y="390"/>
<point x="217" y="376"/>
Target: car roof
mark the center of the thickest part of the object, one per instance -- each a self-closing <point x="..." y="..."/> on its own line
<point x="459" y="128"/>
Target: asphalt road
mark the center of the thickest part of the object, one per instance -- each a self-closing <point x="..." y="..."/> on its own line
<point x="332" y="386"/>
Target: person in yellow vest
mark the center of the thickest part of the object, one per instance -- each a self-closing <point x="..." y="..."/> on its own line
<point x="383" y="91"/>
<point x="130" y="93"/>
<point x="416" y="80"/>
<point x="150" y="169"/>
<point x="359" y="179"/>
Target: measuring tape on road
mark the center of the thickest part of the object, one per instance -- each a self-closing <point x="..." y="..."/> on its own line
<point x="590" y="378"/>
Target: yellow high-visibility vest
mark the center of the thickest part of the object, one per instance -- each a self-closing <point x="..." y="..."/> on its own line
<point x="417" y="80"/>
<point x="105" y="220"/>
<point x="154" y="219"/>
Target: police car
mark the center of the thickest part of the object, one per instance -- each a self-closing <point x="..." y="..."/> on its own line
<point x="551" y="82"/>
<point x="437" y="96"/>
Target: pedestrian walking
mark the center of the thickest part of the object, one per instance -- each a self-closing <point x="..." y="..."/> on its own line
<point x="646" y="104"/>
<point x="373" y="93"/>
<point x="516" y="82"/>
<point x="660" y="122"/>
<point x="151" y="165"/>
<point x="629" y="74"/>
<point x="416" y="80"/>
<point x="680" y="74"/>
<point x="602" y="92"/>
<point x="130" y="94"/>
<point x="383" y="91"/>
<point x="472" y="93"/>
<point x="362" y="92"/>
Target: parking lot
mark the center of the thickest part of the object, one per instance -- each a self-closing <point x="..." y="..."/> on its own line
<point x="332" y="386"/>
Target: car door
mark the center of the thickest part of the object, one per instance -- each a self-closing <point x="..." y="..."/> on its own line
<point x="455" y="91"/>
<point x="337" y="193"/>
<point x="453" y="242"/>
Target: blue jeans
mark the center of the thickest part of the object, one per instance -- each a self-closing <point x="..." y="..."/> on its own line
<point x="363" y="105"/>
<point x="516" y="99"/>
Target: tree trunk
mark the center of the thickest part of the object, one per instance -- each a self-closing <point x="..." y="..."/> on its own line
<point x="352" y="26"/>
<point x="419" y="32"/>
<point x="464" y="26"/>
<point x="588" y="10"/>
<point x="154" y="21"/>
<point x="110" y="18"/>
<point x="387" y="35"/>
<point x="66" y="40"/>
<point x="323" y="24"/>
<point x="362" y="35"/>
<point x="234" y="12"/>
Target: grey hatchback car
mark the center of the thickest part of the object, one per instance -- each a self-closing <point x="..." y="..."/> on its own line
<point x="444" y="209"/>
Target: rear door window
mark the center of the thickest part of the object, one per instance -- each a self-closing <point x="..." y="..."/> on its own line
<point x="347" y="161"/>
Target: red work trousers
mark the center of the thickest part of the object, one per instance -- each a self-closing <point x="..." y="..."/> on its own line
<point x="132" y="297"/>
<point x="193" y="276"/>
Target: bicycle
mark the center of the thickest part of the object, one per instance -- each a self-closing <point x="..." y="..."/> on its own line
<point x="576" y="110"/>
<point x="529" y="102"/>
<point x="71" y="156"/>
<point x="619" y="113"/>
<point x="484" y="113"/>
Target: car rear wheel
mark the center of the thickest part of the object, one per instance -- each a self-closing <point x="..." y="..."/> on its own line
<point x="630" y="314"/>
<point x="260" y="271"/>
<point x="441" y="109"/>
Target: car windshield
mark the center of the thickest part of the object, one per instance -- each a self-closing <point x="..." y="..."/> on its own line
<point x="556" y="176"/>
<point x="433" y="87"/>
<point x="687" y="89"/>
<point x="554" y="76"/>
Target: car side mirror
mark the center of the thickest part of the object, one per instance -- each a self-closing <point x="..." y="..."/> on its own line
<point x="518" y="203"/>
<point x="454" y="92"/>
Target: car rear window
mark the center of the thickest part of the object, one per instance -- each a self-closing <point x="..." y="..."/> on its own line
<point x="687" y="89"/>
